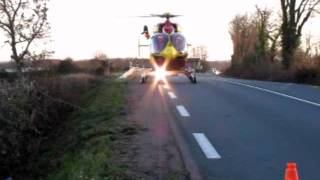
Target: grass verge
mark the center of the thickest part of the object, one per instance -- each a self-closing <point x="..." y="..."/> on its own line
<point x="86" y="148"/>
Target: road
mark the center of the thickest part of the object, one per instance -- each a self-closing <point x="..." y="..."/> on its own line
<point x="239" y="129"/>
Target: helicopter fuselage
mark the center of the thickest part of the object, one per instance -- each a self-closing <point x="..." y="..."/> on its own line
<point x="168" y="50"/>
<point x="168" y="47"/>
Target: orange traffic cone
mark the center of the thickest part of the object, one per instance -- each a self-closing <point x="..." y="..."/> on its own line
<point x="291" y="172"/>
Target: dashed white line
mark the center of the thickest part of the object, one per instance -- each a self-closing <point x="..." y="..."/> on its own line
<point x="183" y="112"/>
<point x="276" y="93"/>
<point x="206" y="146"/>
<point x="172" y="95"/>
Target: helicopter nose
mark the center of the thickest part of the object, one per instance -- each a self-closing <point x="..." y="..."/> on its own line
<point x="170" y="52"/>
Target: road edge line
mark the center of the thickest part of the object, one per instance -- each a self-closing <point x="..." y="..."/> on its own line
<point x="273" y="92"/>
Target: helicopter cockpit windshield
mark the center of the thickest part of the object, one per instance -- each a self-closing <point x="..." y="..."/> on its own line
<point x="158" y="42"/>
<point x="178" y="41"/>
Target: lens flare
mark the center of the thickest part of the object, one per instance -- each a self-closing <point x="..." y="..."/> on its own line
<point x="160" y="73"/>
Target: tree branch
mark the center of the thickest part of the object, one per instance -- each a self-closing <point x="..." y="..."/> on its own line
<point x="5" y="27"/>
<point x="305" y="19"/>
<point x="284" y="5"/>
<point x="301" y="11"/>
<point x="6" y="11"/>
<point x="16" y="10"/>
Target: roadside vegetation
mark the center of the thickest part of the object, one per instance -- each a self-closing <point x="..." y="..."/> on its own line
<point x="61" y="126"/>
<point x="270" y="46"/>
<point x="86" y="149"/>
<point x="62" y="122"/>
<point x="30" y="111"/>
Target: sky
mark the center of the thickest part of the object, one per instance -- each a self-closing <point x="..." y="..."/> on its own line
<point x="82" y="28"/>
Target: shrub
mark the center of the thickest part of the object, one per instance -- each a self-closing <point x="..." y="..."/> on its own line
<point x="3" y="74"/>
<point x="67" y="66"/>
<point x="261" y="70"/>
<point x="69" y="87"/>
<point x="30" y="112"/>
<point x="100" y="71"/>
<point x="25" y="116"/>
<point x="306" y="75"/>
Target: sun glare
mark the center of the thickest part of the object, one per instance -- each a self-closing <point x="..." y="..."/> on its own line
<point x="160" y="73"/>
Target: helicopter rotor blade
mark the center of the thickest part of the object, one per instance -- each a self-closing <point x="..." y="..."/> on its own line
<point x="144" y="16"/>
<point x="165" y="15"/>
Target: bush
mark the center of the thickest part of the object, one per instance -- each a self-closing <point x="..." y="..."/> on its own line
<point x="69" y="87"/>
<point x="3" y="74"/>
<point x="29" y="113"/>
<point x="67" y="66"/>
<point x="7" y="76"/>
<point x="100" y="71"/>
<point x="261" y="70"/>
<point x="25" y="115"/>
<point x="306" y="75"/>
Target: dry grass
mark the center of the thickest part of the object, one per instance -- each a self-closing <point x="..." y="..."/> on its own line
<point x="70" y="87"/>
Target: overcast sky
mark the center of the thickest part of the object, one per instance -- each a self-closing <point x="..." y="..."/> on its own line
<point x="81" y="28"/>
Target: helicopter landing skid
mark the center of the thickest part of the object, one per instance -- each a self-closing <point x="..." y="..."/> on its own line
<point x="143" y="78"/>
<point x="191" y="76"/>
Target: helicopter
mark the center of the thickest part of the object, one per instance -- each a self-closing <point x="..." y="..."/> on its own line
<point x="168" y="48"/>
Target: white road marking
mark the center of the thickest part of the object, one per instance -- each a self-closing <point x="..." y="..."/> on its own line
<point x="206" y="146"/>
<point x="172" y="95"/>
<point x="276" y="93"/>
<point x="183" y="112"/>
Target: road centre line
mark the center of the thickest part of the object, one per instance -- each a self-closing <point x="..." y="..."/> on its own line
<point x="172" y="95"/>
<point x="276" y="93"/>
<point x="206" y="146"/>
<point x="183" y="112"/>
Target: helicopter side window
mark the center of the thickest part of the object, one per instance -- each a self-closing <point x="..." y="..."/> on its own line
<point x="159" y="42"/>
<point x="178" y="41"/>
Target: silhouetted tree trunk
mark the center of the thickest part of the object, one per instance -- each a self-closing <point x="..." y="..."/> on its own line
<point x="294" y="17"/>
<point x="23" y="22"/>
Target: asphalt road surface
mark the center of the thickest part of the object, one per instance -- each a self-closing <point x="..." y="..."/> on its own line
<point x="239" y="129"/>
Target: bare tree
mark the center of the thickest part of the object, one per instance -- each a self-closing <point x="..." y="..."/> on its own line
<point x="244" y="37"/>
<point x="23" y="21"/>
<point x="99" y="55"/>
<point x="294" y="17"/>
<point x="250" y="36"/>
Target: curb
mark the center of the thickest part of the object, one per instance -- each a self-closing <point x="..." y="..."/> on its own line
<point x="186" y="155"/>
